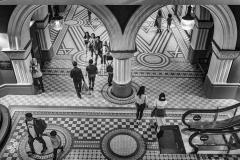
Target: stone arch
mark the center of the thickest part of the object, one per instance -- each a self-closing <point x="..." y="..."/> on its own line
<point x="224" y="23"/>
<point x="21" y="16"/>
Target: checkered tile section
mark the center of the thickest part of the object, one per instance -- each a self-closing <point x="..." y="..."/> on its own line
<point x="88" y="127"/>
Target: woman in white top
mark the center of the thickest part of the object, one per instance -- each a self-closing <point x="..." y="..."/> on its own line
<point x="105" y="52"/>
<point x="159" y="103"/>
<point x="140" y="102"/>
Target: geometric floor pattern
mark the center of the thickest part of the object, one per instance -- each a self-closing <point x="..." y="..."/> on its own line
<point x="90" y="118"/>
<point x="87" y="127"/>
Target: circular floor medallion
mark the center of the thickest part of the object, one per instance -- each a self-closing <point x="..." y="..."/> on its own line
<point x="107" y="94"/>
<point x="153" y="60"/>
<point x="63" y="134"/>
<point x="123" y="144"/>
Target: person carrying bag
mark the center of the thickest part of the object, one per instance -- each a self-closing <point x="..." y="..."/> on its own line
<point x="159" y="112"/>
<point x="140" y="102"/>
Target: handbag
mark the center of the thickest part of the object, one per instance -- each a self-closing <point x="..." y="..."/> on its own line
<point x="85" y="88"/>
<point x="158" y="112"/>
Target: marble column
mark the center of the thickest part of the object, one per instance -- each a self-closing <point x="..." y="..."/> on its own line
<point x="201" y="36"/>
<point x="21" y="64"/>
<point x="220" y="65"/>
<point x="122" y="73"/>
<point x="43" y="35"/>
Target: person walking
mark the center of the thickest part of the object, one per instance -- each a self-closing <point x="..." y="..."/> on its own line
<point x="169" y="21"/>
<point x="56" y="143"/>
<point x="158" y="21"/>
<point x="89" y="13"/>
<point x="106" y="52"/>
<point x="92" y="44"/>
<point x="77" y="76"/>
<point x="109" y="70"/>
<point x="36" y="74"/>
<point x="98" y="47"/>
<point x="35" y="129"/>
<point x="140" y="102"/>
<point x="91" y="71"/>
<point x="86" y="41"/>
<point x="159" y="112"/>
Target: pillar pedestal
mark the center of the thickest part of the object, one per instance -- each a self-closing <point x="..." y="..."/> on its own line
<point x="121" y="86"/>
<point x="121" y="90"/>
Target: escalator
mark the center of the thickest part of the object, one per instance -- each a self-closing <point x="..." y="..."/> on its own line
<point x="215" y="142"/>
<point x="199" y="123"/>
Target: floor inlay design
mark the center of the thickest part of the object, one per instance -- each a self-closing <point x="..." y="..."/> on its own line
<point x="107" y="94"/>
<point x="123" y="144"/>
<point x="63" y="134"/>
<point x="153" y="60"/>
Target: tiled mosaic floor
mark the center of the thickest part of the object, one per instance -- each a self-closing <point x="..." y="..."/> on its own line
<point x="87" y="126"/>
<point x="182" y="83"/>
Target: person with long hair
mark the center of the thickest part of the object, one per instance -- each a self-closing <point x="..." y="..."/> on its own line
<point x="158" y="21"/>
<point x="159" y="113"/>
<point x="86" y="40"/>
<point x="92" y="44"/>
<point x="140" y="102"/>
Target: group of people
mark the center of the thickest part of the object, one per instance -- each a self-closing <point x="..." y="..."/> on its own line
<point x="35" y="130"/>
<point x="91" y="71"/>
<point x="97" y="48"/>
<point x="158" y="21"/>
<point x="158" y="112"/>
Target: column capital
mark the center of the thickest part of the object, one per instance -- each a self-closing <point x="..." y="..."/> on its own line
<point x="122" y="54"/>
<point x="224" y="54"/>
<point x="19" y="54"/>
<point x="203" y="24"/>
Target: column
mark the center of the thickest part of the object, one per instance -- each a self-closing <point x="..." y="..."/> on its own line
<point x="21" y="64"/>
<point x="199" y="44"/>
<point x="220" y="64"/>
<point x="201" y="35"/>
<point x="122" y="73"/>
<point x="43" y="35"/>
<point x="215" y="83"/>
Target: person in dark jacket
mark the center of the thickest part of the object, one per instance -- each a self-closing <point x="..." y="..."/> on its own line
<point x="34" y="133"/>
<point x="77" y="76"/>
<point x="110" y="73"/>
<point x="91" y="71"/>
<point x="98" y="48"/>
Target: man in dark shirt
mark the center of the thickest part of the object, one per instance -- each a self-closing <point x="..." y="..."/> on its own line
<point x="98" y="49"/>
<point x="91" y="71"/>
<point x="77" y="76"/>
<point x="110" y="73"/>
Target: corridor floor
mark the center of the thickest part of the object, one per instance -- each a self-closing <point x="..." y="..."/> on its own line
<point x="159" y="64"/>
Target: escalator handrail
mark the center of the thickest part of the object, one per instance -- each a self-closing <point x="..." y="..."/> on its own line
<point x="208" y="133"/>
<point x="206" y="111"/>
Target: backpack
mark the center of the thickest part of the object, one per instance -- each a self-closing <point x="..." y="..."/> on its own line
<point x="41" y="125"/>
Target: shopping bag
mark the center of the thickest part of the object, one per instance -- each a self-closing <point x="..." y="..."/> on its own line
<point x="85" y="89"/>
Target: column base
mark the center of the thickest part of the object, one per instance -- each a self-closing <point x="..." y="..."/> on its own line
<point x="221" y="91"/>
<point x="195" y="56"/>
<point x="121" y="90"/>
<point x="47" y="54"/>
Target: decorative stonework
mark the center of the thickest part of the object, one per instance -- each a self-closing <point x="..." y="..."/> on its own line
<point x="124" y="54"/>
<point x="123" y="144"/>
<point x="224" y="54"/>
<point x="63" y="134"/>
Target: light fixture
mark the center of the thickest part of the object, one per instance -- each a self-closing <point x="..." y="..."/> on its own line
<point x="56" y="22"/>
<point x="188" y="21"/>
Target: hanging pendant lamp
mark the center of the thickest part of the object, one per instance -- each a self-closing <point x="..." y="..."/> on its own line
<point x="188" y="21"/>
<point x="57" y="21"/>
